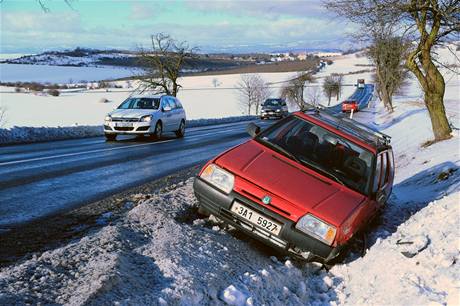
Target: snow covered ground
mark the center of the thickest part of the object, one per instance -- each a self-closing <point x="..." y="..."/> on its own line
<point x="61" y="74"/>
<point x="161" y="253"/>
<point x="201" y="99"/>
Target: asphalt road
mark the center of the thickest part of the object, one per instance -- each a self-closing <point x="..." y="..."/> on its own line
<point x="42" y="179"/>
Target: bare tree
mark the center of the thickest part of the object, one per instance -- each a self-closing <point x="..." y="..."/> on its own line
<point x="387" y="52"/>
<point x="313" y="95"/>
<point x="294" y="90"/>
<point x="428" y="23"/>
<point x="253" y="91"/>
<point x="338" y="85"/>
<point x="163" y="64"/>
<point x="328" y="88"/>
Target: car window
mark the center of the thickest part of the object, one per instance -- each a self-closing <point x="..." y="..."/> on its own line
<point x="385" y="172"/>
<point x="165" y="102"/>
<point x="321" y="150"/>
<point x="378" y="174"/>
<point x="172" y="103"/>
<point x="140" y="103"/>
<point x="392" y="164"/>
<point x="178" y="104"/>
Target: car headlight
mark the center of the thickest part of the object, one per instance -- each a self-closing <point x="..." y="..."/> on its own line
<point x="317" y="228"/>
<point x="278" y="110"/>
<point x="218" y="177"/>
<point x="108" y="118"/>
<point x="147" y="118"/>
<point x="263" y="110"/>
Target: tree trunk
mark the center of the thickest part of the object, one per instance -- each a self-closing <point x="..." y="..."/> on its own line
<point x="329" y="102"/>
<point x="432" y="83"/>
<point x="434" y="104"/>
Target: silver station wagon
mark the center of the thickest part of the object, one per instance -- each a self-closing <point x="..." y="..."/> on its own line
<point x="146" y="115"/>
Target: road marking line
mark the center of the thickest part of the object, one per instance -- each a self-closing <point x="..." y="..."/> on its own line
<point x="102" y="150"/>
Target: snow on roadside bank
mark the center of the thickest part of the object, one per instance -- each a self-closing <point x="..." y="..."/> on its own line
<point x="161" y="253"/>
<point x="19" y="134"/>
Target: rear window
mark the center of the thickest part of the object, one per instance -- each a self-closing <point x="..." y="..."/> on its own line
<point x="140" y="103"/>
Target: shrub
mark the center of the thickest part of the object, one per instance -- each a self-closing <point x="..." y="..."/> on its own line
<point x="329" y="62"/>
<point x="17" y="89"/>
<point x="36" y="86"/>
<point x="104" y="100"/>
<point x="54" y="92"/>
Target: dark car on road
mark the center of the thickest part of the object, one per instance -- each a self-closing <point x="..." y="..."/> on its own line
<point x="273" y="108"/>
<point x="306" y="185"/>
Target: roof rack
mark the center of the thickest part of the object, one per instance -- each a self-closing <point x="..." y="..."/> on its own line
<point x="350" y="126"/>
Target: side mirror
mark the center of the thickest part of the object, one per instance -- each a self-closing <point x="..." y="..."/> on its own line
<point x="166" y="108"/>
<point x="253" y="129"/>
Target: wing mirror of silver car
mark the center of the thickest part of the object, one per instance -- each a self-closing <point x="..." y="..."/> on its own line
<point x="253" y="129"/>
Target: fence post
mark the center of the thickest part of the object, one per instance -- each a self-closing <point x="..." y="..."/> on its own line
<point x="351" y="114"/>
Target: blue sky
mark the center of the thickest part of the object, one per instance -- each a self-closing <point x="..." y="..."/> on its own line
<point x="211" y="25"/>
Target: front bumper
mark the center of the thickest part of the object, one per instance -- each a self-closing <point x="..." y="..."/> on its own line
<point x="134" y="128"/>
<point x="273" y="114"/>
<point x="289" y="239"/>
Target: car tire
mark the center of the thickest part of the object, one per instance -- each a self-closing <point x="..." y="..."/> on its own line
<point x="181" y="131"/>
<point x="110" y="137"/>
<point x="158" y="131"/>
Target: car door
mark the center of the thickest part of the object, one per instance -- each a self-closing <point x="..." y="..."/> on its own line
<point x="175" y="114"/>
<point x="384" y="175"/>
<point x="167" y="114"/>
<point x="180" y="111"/>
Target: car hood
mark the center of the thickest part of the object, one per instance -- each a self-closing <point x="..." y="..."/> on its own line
<point x="131" y="113"/>
<point x="294" y="189"/>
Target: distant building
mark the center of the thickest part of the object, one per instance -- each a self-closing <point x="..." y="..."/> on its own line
<point x="327" y="54"/>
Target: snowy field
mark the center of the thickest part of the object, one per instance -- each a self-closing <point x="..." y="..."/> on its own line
<point x="201" y="99"/>
<point x="160" y="253"/>
<point x="60" y="74"/>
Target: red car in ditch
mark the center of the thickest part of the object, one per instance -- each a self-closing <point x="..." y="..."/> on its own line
<point x="307" y="184"/>
<point x="348" y="106"/>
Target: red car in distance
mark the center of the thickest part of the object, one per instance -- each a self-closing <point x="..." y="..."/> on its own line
<point x="306" y="185"/>
<point x="349" y="105"/>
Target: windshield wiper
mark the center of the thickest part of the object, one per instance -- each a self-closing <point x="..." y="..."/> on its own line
<point x="325" y="172"/>
<point x="282" y="150"/>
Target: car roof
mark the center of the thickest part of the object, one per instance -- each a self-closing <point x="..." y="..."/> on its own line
<point x="148" y="96"/>
<point x="359" y="133"/>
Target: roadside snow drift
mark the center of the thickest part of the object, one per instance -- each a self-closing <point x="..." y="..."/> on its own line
<point x="162" y="253"/>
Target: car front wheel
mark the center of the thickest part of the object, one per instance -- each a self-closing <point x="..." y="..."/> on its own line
<point x="111" y="137"/>
<point x="158" y="130"/>
<point x="181" y="131"/>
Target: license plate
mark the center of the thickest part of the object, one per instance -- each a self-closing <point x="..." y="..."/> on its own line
<point x="256" y="218"/>
<point x="123" y="124"/>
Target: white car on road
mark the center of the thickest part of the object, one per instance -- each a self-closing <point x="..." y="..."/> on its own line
<point x="150" y="115"/>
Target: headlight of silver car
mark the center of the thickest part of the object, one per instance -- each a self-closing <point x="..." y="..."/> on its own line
<point x="108" y="118"/>
<point x="218" y="177"/>
<point x="146" y="118"/>
<point x="278" y="110"/>
<point x="317" y="228"/>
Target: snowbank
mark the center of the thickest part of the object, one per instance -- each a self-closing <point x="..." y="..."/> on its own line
<point x="38" y="134"/>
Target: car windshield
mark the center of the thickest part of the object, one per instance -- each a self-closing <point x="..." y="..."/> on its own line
<point x="274" y="102"/>
<point x="140" y="103"/>
<point x="322" y="151"/>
